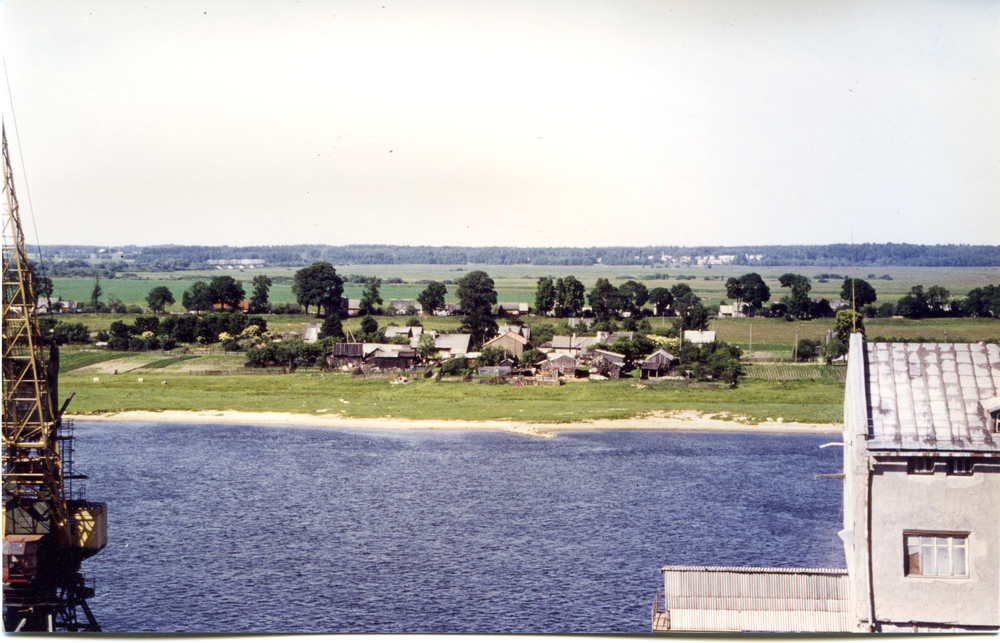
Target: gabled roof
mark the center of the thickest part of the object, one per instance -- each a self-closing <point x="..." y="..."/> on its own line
<point x="565" y="342"/>
<point x="508" y="335"/>
<point x="931" y="396"/>
<point x="406" y="331"/>
<point x="456" y="343"/>
<point x="523" y="331"/>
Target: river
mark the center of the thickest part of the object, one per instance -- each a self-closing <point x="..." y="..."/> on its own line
<point x="245" y="528"/>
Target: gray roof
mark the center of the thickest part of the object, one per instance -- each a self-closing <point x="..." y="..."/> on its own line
<point x="931" y="397"/>
<point x="762" y="599"/>
<point x="457" y="343"/>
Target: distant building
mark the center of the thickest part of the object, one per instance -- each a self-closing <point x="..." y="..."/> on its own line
<point x="311" y="333"/>
<point x="657" y="365"/>
<point x="699" y="336"/>
<point x="405" y="307"/>
<point x="512" y="309"/>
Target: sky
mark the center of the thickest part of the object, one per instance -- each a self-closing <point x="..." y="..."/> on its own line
<point x="524" y="122"/>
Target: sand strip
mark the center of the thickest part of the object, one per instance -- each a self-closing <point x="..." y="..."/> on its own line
<point x="666" y="421"/>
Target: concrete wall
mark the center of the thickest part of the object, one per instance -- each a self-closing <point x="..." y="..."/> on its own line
<point x="939" y="502"/>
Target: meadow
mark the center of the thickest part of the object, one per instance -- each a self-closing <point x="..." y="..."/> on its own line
<point x="312" y="392"/>
<point x="517" y="283"/>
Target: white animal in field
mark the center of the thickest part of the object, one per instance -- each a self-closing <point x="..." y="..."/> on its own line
<point x="141" y="380"/>
<point x="97" y="380"/>
<point x="163" y="383"/>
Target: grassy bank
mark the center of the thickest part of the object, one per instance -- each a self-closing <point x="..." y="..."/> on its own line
<point x="819" y="401"/>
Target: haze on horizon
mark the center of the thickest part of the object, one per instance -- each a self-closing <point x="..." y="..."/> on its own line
<point x="553" y="123"/>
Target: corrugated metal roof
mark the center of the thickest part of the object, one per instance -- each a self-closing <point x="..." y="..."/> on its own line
<point x="762" y="599"/>
<point x="931" y="396"/>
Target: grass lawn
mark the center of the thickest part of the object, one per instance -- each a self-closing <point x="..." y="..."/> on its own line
<point x="316" y="393"/>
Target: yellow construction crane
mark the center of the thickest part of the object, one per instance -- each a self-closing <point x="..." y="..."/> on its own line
<point x="46" y="532"/>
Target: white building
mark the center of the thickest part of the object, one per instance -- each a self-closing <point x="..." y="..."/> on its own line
<point x="921" y="530"/>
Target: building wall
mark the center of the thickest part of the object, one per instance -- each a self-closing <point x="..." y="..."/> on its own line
<point x="936" y="503"/>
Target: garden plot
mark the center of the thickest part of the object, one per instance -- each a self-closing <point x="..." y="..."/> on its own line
<point x="120" y="365"/>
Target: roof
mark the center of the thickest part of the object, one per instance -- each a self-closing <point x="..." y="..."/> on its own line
<point x="931" y="396"/>
<point x="508" y="335"/>
<point x="757" y="599"/>
<point x="565" y="342"/>
<point x="342" y="349"/>
<point x="408" y="331"/>
<point x="457" y="343"/>
<point x="699" y="336"/>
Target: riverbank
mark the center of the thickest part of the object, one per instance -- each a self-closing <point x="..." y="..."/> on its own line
<point x="657" y="421"/>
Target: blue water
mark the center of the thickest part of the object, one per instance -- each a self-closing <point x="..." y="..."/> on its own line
<point x="233" y="528"/>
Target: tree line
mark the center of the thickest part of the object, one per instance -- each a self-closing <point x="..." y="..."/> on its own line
<point x="69" y="260"/>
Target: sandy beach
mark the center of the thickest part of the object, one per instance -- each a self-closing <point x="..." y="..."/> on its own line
<point x="664" y="421"/>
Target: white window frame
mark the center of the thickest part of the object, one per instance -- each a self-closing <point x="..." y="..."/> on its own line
<point x="927" y="552"/>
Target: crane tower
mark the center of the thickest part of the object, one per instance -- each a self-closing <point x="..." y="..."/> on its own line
<point x="47" y="532"/>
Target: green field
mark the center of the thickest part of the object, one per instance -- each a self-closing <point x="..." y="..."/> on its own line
<point x="309" y="391"/>
<point x="518" y="282"/>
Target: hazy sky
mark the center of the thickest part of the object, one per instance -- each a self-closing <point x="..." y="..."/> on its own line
<point x="529" y="123"/>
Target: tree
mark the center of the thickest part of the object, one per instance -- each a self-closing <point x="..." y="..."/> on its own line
<point x="862" y="294"/>
<point x="661" y="298"/>
<point x="197" y="297"/>
<point x="531" y="357"/>
<point x="43" y="290"/>
<point x="605" y="300"/>
<point x="846" y="323"/>
<point x="333" y="328"/>
<point x="680" y="290"/>
<point x="754" y="290"/>
<point x="370" y="297"/>
<point x="937" y="299"/>
<point x="318" y="285"/>
<point x="913" y="305"/>
<point x="226" y="291"/>
<point x="569" y="297"/>
<point x="633" y="295"/>
<point x="426" y="347"/>
<point x="983" y="302"/>
<point x="159" y="298"/>
<point x="798" y="301"/>
<point x="545" y="296"/>
<point x="432" y="297"/>
<point x="95" y="294"/>
<point x="370" y="331"/>
<point x="692" y="314"/>
<point x="261" y="289"/>
<point x="478" y="298"/>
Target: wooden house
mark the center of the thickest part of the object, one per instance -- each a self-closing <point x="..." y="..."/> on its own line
<point x="657" y="365"/>
<point x="511" y="342"/>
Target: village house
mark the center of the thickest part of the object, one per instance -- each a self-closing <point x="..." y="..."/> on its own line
<point x="523" y="331"/>
<point x="405" y="307"/>
<point x="409" y="332"/>
<point x="449" y="310"/>
<point x="737" y="310"/>
<point x="310" y="335"/>
<point x="609" y="337"/>
<point x="350" y="307"/>
<point x="657" y="365"/>
<point x="511" y="342"/>
<point x="243" y="307"/>
<point x="559" y="365"/>
<point x="606" y="365"/>
<point x="699" y="336"/>
<point x="350" y="355"/>
<point x="921" y="497"/>
<point x="512" y="309"/>
<point x="451" y="345"/>
<point x="570" y="344"/>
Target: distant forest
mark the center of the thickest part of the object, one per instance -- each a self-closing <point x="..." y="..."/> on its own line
<point x="176" y="257"/>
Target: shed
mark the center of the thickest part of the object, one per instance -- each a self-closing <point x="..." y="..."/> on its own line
<point x="345" y="354"/>
<point x="657" y="364"/>
<point x="607" y="364"/>
<point x="514" y="309"/>
<point x="559" y="364"/>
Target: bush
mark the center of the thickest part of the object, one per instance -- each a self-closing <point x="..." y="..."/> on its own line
<point x="454" y="366"/>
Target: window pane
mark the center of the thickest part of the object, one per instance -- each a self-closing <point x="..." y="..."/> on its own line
<point x="943" y="560"/>
<point x="928" y="559"/>
<point x="960" y="562"/>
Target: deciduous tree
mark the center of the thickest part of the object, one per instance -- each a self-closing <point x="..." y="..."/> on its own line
<point x="370" y="297"/>
<point x="318" y="285"/>
<point x="197" y="297"/>
<point x="433" y="297"/>
<point x="478" y="297"/>
<point x="159" y="298"/>
<point x="545" y="296"/>
<point x="862" y="294"/>
<point x="569" y="297"/>
<point x="226" y="291"/>
<point x="261" y="289"/>
<point x="798" y="301"/>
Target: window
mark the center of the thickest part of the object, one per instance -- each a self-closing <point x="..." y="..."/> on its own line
<point x="920" y="465"/>
<point x="936" y="555"/>
<point x="960" y="467"/>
